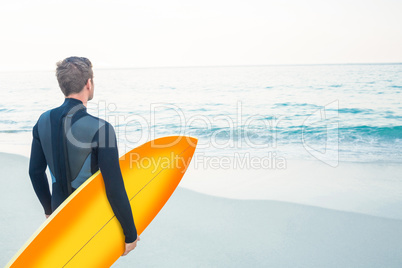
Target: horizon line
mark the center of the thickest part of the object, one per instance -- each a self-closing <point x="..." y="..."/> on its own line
<point x="212" y="66"/>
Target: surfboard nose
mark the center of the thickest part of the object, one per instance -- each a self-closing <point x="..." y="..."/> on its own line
<point x="170" y="141"/>
<point x="192" y="141"/>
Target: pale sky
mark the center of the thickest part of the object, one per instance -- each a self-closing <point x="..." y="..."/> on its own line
<point x="36" y="34"/>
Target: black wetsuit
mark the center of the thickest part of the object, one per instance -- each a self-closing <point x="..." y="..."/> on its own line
<point x="89" y="144"/>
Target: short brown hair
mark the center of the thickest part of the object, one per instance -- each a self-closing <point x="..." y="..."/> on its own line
<point x="73" y="73"/>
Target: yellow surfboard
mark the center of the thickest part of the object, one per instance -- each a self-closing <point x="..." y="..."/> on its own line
<point x="84" y="232"/>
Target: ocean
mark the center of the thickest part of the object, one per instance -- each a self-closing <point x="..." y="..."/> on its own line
<point x="333" y="113"/>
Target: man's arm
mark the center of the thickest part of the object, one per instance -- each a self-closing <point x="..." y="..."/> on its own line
<point x="108" y="161"/>
<point x="37" y="168"/>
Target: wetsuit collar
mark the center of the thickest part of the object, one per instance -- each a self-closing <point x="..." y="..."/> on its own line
<point x="73" y="101"/>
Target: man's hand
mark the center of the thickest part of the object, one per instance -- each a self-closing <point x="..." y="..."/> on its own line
<point x="47" y="216"/>
<point x="130" y="246"/>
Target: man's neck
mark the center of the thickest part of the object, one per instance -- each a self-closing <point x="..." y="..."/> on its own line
<point x="79" y="97"/>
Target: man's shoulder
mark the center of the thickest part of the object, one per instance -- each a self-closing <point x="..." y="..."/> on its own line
<point x="43" y="121"/>
<point x="45" y="115"/>
<point x="93" y="120"/>
<point x="92" y="124"/>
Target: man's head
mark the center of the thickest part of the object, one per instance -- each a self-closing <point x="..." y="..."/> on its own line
<point x="74" y="74"/>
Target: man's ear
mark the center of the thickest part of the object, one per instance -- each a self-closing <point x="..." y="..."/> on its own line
<point x="88" y="84"/>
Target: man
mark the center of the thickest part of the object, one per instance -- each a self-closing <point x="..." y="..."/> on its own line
<point x="74" y="145"/>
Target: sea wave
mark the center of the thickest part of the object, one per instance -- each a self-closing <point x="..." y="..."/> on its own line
<point x="295" y="133"/>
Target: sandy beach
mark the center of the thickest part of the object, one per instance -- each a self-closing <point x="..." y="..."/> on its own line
<point x="200" y="230"/>
<point x="370" y="188"/>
